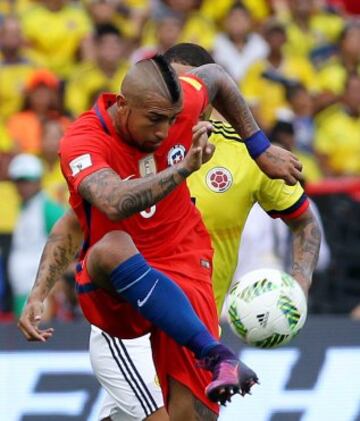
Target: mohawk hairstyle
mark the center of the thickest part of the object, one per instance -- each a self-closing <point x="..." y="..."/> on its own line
<point x="188" y="54"/>
<point x="169" y="76"/>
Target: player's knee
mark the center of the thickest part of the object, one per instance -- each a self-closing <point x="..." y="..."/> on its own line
<point x="113" y="249"/>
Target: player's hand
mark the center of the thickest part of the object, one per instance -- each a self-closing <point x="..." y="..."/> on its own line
<point x="277" y="162"/>
<point x="29" y="322"/>
<point x="201" y="149"/>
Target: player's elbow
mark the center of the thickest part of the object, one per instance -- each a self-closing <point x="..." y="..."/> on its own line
<point x="113" y="214"/>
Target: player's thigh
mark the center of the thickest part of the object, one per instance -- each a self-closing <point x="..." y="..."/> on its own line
<point x="126" y="371"/>
<point x="110" y="412"/>
<point x="183" y="405"/>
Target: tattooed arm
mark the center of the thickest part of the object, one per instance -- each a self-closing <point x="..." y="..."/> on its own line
<point x="306" y="245"/>
<point x="119" y="199"/>
<point x="226" y="98"/>
<point x="60" y="249"/>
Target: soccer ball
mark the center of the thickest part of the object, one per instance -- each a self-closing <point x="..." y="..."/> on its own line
<point x="266" y="308"/>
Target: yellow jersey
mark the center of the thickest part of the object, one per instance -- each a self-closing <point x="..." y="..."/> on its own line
<point x="225" y="189"/>
<point x="324" y="29"/>
<point x="269" y="96"/>
<point x="332" y="77"/>
<point x="87" y="82"/>
<point x="338" y="138"/>
<point x="12" y="82"/>
<point x="55" y="36"/>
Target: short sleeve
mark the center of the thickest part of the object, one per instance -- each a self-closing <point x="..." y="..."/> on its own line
<point x="197" y="92"/>
<point x="82" y="153"/>
<point x="280" y="200"/>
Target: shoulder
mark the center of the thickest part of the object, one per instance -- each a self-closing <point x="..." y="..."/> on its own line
<point x="85" y="128"/>
<point x="190" y="83"/>
<point x="223" y="130"/>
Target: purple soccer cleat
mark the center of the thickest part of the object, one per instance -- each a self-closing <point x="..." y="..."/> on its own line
<point x="230" y="376"/>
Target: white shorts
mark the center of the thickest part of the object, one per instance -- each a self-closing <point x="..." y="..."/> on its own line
<point x="126" y="371"/>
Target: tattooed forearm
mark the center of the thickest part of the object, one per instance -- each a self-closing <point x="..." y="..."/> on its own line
<point x="306" y="246"/>
<point x="60" y="249"/>
<point x="226" y="98"/>
<point x="119" y="199"/>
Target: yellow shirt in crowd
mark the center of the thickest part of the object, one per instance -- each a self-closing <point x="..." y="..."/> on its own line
<point x="55" y="36"/>
<point x="12" y="82"/>
<point x="269" y="96"/>
<point x="225" y="189"/>
<point x="324" y="29"/>
<point x="332" y="77"/>
<point x="87" y="82"/>
<point x="338" y="138"/>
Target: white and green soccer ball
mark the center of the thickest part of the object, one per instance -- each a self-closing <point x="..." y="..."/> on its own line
<point x="266" y="308"/>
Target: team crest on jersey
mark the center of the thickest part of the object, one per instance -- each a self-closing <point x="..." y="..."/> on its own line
<point x="219" y="179"/>
<point x="176" y="154"/>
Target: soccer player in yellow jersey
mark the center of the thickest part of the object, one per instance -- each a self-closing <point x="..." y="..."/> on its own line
<point x="224" y="191"/>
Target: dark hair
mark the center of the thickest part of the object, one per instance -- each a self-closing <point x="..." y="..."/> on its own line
<point x="239" y="5"/>
<point x="169" y="76"/>
<point x="106" y="29"/>
<point x="188" y="54"/>
<point x="281" y="127"/>
<point x="292" y="90"/>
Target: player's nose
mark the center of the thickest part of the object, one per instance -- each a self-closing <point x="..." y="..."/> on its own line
<point x="162" y="131"/>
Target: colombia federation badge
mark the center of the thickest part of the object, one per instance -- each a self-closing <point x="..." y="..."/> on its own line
<point x="219" y="179"/>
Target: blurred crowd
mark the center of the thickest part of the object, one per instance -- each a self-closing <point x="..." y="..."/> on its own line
<point x="297" y="63"/>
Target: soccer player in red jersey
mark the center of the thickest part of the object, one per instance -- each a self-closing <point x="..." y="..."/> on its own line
<point x="103" y="155"/>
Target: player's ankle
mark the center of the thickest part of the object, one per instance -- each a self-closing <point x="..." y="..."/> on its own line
<point x="216" y="354"/>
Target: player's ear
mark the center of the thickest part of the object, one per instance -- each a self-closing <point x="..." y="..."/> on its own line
<point x="121" y="101"/>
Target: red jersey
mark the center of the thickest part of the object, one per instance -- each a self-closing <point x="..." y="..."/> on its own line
<point x="91" y="143"/>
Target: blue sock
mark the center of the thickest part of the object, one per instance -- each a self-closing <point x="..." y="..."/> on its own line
<point x="163" y="303"/>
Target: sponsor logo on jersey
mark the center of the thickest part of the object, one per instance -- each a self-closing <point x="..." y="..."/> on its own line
<point x="80" y="163"/>
<point x="176" y="154"/>
<point x="147" y="166"/>
<point x="219" y="179"/>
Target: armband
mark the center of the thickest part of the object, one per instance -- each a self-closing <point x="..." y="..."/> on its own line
<point x="257" y="143"/>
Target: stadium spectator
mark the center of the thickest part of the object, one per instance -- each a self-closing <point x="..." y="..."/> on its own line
<point x="196" y="27"/>
<point x="15" y="67"/>
<point x="8" y="215"/>
<point x="338" y="133"/>
<point x="167" y="29"/>
<point x="266" y="80"/>
<point x="302" y="121"/>
<point x="53" y="181"/>
<point x="104" y="74"/>
<point x="311" y="29"/>
<point x="41" y="101"/>
<point x="333" y="74"/>
<point x="36" y="218"/>
<point x="67" y="26"/>
<point x="127" y="16"/>
<point x="238" y="46"/>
